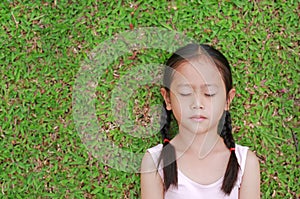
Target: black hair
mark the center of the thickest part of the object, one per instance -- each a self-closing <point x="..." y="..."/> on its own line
<point x="168" y="155"/>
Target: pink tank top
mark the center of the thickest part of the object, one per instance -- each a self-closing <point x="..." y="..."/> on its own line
<point x="190" y="189"/>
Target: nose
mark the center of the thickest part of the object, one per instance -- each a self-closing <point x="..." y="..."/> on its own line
<point x="197" y="102"/>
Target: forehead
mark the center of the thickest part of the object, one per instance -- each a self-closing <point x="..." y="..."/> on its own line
<point x="201" y="71"/>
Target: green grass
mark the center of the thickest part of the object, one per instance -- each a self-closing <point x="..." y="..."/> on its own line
<point x="44" y="44"/>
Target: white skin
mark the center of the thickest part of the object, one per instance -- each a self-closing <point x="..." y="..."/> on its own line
<point x="198" y="99"/>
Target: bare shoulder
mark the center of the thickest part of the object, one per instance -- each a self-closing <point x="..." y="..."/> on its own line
<point x="148" y="164"/>
<point x="151" y="182"/>
<point x="250" y="186"/>
<point x="252" y="160"/>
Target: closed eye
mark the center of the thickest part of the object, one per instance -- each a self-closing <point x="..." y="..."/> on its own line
<point x="209" y="94"/>
<point x="185" y="94"/>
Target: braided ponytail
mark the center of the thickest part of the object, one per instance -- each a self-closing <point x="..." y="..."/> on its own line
<point x="168" y="155"/>
<point x="232" y="169"/>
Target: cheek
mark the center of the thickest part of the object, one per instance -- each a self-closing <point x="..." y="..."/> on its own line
<point x="177" y="106"/>
<point x="219" y="102"/>
<point x="217" y="107"/>
<point x="213" y="104"/>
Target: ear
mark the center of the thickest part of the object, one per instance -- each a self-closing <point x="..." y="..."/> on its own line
<point x="166" y="97"/>
<point x="230" y="97"/>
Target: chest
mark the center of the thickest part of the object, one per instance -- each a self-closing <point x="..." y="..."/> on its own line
<point x="203" y="171"/>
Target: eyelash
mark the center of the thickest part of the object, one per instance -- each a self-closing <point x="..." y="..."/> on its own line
<point x="210" y="95"/>
<point x="207" y="95"/>
<point x="185" y="94"/>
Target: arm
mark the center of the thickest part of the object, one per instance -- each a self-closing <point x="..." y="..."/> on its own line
<point x="151" y="182"/>
<point x="250" y="186"/>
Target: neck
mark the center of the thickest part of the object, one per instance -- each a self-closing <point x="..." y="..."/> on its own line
<point x="201" y="144"/>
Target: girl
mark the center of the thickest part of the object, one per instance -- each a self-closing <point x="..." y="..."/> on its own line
<point x="202" y="160"/>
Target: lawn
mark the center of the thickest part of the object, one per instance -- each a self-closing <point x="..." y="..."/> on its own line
<point x="79" y="90"/>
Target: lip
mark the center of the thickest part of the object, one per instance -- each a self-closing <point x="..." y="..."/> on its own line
<point x="198" y="118"/>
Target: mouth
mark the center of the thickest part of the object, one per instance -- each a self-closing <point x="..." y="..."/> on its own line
<point x="198" y="118"/>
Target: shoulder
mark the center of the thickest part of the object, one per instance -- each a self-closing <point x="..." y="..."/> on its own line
<point x="252" y="163"/>
<point x="252" y="158"/>
<point x="155" y="149"/>
<point x="246" y="156"/>
<point x="250" y="186"/>
<point x="241" y="153"/>
<point x="148" y="164"/>
<point x="151" y="182"/>
<point x="150" y="159"/>
<point x="241" y="148"/>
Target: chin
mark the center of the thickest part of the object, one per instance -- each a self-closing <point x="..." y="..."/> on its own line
<point x="198" y="131"/>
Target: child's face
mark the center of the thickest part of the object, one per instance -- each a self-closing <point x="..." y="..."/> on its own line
<point x="198" y="96"/>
